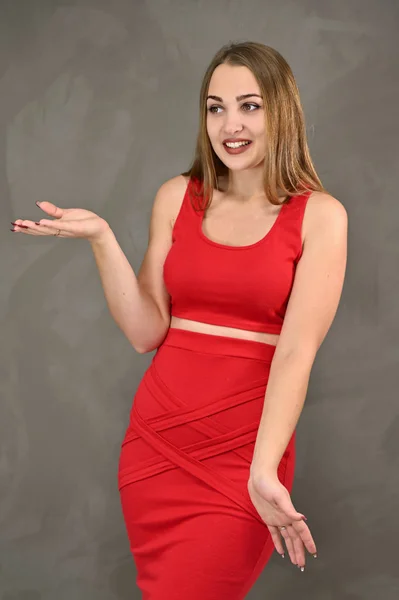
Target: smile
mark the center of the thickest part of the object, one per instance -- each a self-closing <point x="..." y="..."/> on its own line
<point x="237" y="147"/>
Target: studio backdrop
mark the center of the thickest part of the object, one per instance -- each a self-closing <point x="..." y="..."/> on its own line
<point x="98" y="107"/>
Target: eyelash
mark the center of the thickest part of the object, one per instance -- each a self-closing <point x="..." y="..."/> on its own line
<point x="245" y="104"/>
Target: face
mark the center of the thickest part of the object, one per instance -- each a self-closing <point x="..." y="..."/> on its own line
<point x="230" y="117"/>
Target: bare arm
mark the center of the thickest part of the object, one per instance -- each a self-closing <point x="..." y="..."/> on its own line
<point x="140" y="305"/>
<point x="312" y="307"/>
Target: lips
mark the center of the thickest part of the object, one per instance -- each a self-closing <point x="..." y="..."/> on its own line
<point x="239" y="149"/>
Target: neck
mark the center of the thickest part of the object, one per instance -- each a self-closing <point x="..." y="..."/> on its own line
<point x="246" y="184"/>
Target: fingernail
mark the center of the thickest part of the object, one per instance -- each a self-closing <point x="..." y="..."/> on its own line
<point x="314" y="555"/>
<point x="37" y="223"/>
<point x="23" y="226"/>
<point x="302" y="569"/>
<point x="304" y="517"/>
<point x="12" y="230"/>
<point x="37" y="203"/>
<point x="282" y="555"/>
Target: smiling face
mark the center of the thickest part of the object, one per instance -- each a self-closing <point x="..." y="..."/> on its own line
<point x="235" y="112"/>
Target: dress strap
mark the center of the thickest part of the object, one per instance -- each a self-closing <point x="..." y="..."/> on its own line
<point x="294" y="219"/>
<point x="186" y="216"/>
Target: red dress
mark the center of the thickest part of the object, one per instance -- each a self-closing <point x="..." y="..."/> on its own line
<point x="184" y="465"/>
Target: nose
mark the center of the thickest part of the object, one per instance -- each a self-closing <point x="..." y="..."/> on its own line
<point x="232" y="123"/>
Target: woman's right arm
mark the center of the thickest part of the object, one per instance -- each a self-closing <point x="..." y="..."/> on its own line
<point x="140" y="305"/>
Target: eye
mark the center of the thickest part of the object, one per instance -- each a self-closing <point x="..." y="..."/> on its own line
<point x="256" y="106"/>
<point x="247" y="107"/>
<point x="211" y="108"/>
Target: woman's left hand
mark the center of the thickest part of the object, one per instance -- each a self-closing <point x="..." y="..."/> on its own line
<point x="273" y="503"/>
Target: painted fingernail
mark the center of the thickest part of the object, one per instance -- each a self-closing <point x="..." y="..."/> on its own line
<point x="23" y="226"/>
<point x="314" y="555"/>
<point x="302" y="569"/>
<point x="282" y="555"/>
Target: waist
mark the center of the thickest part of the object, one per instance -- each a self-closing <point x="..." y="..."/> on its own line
<point x="219" y="330"/>
<point x="221" y="345"/>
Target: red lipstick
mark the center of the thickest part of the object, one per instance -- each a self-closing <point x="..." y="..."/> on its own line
<point x="238" y="150"/>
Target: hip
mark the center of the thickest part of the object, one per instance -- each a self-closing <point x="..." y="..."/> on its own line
<point x="199" y="405"/>
<point x="198" y="369"/>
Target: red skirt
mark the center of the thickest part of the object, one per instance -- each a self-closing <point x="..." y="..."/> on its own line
<point x="184" y="466"/>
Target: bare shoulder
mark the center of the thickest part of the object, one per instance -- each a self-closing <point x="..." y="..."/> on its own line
<point x="324" y="212"/>
<point x="170" y="196"/>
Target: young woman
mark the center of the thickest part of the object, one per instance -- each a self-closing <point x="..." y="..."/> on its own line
<point x="237" y="290"/>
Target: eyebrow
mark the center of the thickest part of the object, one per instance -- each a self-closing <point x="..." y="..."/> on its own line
<point x="238" y="98"/>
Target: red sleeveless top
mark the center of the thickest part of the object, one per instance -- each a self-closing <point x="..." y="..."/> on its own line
<point x="246" y="287"/>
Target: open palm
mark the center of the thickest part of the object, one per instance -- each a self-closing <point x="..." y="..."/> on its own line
<point x="66" y="222"/>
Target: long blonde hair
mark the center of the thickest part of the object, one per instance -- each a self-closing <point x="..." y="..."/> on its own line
<point x="288" y="165"/>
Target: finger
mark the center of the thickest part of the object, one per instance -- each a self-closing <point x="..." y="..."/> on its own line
<point x="298" y="546"/>
<point x="34" y="226"/>
<point x="290" y="546"/>
<point x="55" y="211"/>
<point x="68" y="228"/>
<point x="284" y="503"/>
<point x="304" y="532"/>
<point x="276" y="537"/>
<point x="27" y="229"/>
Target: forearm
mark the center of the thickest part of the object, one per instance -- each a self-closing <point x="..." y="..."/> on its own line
<point x="284" y="399"/>
<point x="133" y="310"/>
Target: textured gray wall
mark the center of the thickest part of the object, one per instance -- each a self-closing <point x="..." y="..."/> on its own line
<point x="98" y="107"/>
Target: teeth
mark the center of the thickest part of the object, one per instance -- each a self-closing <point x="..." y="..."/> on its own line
<point x="236" y="144"/>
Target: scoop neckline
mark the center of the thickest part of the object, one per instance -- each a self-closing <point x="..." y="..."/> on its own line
<point x="248" y="246"/>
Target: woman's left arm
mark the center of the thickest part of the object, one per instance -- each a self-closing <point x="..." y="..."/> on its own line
<point x="310" y="312"/>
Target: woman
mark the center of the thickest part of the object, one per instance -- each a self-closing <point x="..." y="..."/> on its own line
<point x="237" y="290"/>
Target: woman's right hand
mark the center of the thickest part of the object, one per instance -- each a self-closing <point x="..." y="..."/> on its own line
<point x="67" y="223"/>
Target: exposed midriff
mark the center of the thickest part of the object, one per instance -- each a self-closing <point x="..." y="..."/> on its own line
<point x="266" y="338"/>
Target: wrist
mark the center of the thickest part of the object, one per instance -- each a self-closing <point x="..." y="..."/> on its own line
<point x="262" y="470"/>
<point x="263" y="462"/>
<point x="102" y="238"/>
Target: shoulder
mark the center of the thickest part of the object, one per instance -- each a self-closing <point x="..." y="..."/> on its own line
<point x="169" y="197"/>
<point x="172" y="190"/>
<point x="174" y="186"/>
<point x="324" y="213"/>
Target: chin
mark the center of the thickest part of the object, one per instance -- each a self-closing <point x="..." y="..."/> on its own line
<point x="238" y="165"/>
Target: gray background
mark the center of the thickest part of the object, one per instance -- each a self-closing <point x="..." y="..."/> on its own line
<point x="98" y="107"/>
